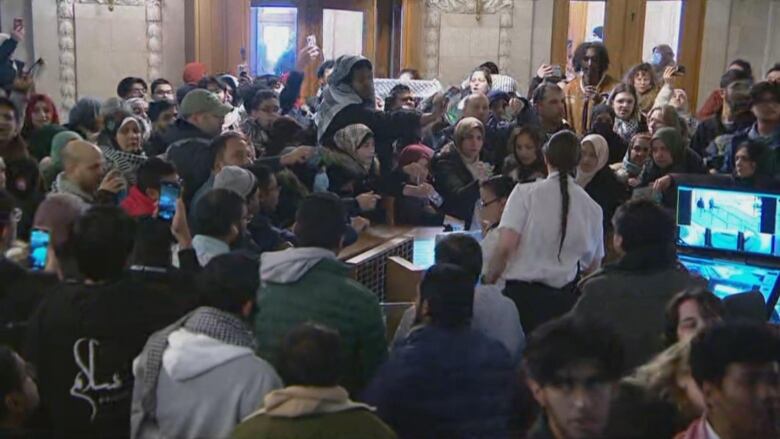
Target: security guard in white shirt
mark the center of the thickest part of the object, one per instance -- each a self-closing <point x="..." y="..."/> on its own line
<point x="551" y="230"/>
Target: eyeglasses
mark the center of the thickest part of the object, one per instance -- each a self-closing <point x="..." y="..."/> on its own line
<point x="483" y="204"/>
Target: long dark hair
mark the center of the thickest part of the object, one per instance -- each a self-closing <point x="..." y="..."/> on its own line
<point x="563" y="153"/>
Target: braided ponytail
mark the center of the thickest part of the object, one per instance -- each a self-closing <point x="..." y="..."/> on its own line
<point x="562" y="152"/>
<point x="564" y="180"/>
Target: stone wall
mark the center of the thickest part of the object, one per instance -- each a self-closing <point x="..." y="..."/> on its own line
<point x="89" y="48"/>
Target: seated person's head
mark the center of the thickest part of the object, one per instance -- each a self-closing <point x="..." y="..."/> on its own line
<point x="765" y="97"/>
<point x="268" y="188"/>
<point x="469" y="137"/>
<point x="747" y="158"/>
<point x="498" y="100"/>
<point x="640" y="224"/>
<point x="773" y="75"/>
<point x="667" y="148"/>
<point x="462" y="250"/>
<point x="18" y="390"/>
<point x="182" y="92"/>
<point x="311" y="355"/>
<point x="525" y="145"/>
<point x="321" y="222"/>
<point x="102" y="242"/>
<point x="162" y="114"/>
<point x="664" y="116"/>
<point x="153" y="241"/>
<point x="162" y="90"/>
<point x="477" y="105"/>
<point x="230" y="149"/>
<point x="84" y="115"/>
<point x="409" y="75"/>
<point x="324" y="71"/>
<point x="691" y="311"/>
<point x="220" y="214"/>
<point x="494" y="193"/>
<point x="9" y="120"/>
<point x="549" y="103"/>
<point x="400" y="97"/>
<point x="83" y="165"/>
<point x="573" y="368"/>
<point x="229" y="283"/>
<point x="264" y="108"/>
<point x="241" y="182"/>
<point x="204" y="110"/>
<point x="737" y="368"/>
<point x="481" y="81"/>
<point x="152" y="174"/>
<point x="742" y="66"/>
<point x="214" y="85"/>
<point x="735" y="90"/>
<point x="640" y="148"/>
<point x="131" y="87"/>
<point x="57" y="214"/>
<point x="446" y="296"/>
<point x="9" y="217"/>
<point x="602" y="117"/>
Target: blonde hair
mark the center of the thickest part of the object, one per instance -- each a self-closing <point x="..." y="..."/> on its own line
<point x="465" y="126"/>
<point x="660" y="377"/>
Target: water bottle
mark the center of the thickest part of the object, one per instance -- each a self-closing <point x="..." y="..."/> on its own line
<point x="321" y="181"/>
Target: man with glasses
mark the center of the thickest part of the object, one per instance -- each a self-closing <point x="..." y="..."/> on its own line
<point x="765" y="106"/>
<point x="590" y="87"/>
<point x="573" y="368"/>
<point x="737" y="368"/>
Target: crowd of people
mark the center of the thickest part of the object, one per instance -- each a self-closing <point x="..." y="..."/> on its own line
<point x="169" y="257"/>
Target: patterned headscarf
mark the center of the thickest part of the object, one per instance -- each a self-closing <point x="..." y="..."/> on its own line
<point x="339" y="94"/>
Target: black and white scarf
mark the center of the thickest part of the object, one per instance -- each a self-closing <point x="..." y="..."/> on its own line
<point x="211" y="322"/>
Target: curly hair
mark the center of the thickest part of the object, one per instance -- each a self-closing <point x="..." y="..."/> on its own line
<point x="582" y="49"/>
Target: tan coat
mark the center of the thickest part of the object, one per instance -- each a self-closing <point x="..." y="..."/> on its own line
<point x="574" y="100"/>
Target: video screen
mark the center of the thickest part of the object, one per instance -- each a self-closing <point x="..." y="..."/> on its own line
<point x="733" y="221"/>
<point x="726" y="278"/>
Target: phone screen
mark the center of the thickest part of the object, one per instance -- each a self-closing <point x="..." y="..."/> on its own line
<point x="39" y="247"/>
<point x="169" y="193"/>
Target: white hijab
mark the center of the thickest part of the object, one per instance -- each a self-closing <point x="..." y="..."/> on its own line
<point x="601" y="147"/>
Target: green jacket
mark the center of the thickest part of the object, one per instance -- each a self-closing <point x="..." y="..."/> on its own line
<point x="310" y="285"/>
<point x="351" y="424"/>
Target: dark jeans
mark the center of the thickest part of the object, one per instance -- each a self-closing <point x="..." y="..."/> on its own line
<point x="538" y="303"/>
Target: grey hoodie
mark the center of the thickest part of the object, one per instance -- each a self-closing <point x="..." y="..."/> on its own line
<point x="206" y="387"/>
<point x="289" y="266"/>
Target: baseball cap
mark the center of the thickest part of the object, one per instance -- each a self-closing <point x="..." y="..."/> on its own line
<point x="203" y="101"/>
<point x="236" y="179"/>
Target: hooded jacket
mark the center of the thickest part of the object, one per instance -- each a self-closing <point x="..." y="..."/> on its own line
<point x="206" y="387"/>
<point x="309" y="284"/>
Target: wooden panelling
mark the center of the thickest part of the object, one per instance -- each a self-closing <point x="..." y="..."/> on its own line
<point x="560" y="36"/>
<point x="384" y="35"/>
<point x="412" y="35"/>
<point x="691" y="47"/>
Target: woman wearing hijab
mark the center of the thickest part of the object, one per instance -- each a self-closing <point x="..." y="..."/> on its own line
<point x="350" y="99"/>
<point x="525" y="162"/>
<point x="597" y="178"/>
<point x="458" y="171"/>
<point x="124" y="150"/>
<point x="352" y="168"/>
<point x="602" y="123"/>
<point x="638" y="153"/>
<point x="669" y="155"/>
<point x="416" y="201"/>
<point x="629" y="120"/>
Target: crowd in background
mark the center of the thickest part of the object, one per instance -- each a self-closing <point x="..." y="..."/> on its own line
<point x="190" y="285"/>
